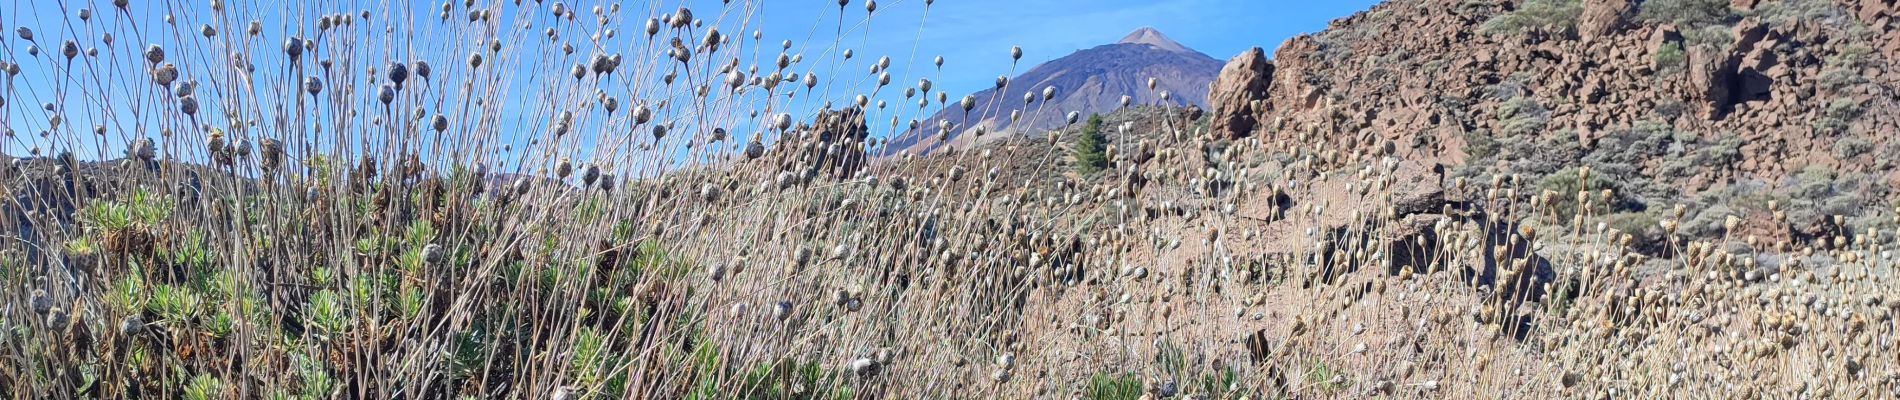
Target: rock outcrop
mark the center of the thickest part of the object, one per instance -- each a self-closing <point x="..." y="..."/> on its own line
<point x="832" y="145"/>
<point x="1241" y="86"/>
<point x="1603" y="18"/>
<point x="1786" y="86"/>
<point x="1883" y="18"/>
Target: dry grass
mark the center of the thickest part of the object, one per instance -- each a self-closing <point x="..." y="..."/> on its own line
<point x="274" y="241"/>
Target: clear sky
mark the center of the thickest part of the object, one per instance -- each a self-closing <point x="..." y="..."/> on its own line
<point x="973" y="36"/>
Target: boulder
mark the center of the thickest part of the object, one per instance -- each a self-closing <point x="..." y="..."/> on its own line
<point x="1244" y="82"/>
<point x="1663" y="35"/>
<point x="833" y="144"/>
<point x="1412" y="243"/>
<point x="1603" y="18"/>
<point x="1711" y="76"/>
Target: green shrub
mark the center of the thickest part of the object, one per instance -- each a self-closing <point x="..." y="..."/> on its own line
<point x="1554" y="15"/>
<point x="1724" y="152"/>
<point x="1715" y="36"/>
<point x="1480" y="146"/>
<point x="1646" y="234"/>
<point x="1670" y="59"/>
<point x="1522" y="115"/>
<point x="1839" y="116"/>
<point x="1782" y="12"/>
<point x="1091" y="148"/>
<point x="1113" y="387"/>
<point x="205" y="387"/>
<point x="1566" y="183"/>
<point x="1851" y="147"/>
<point x="1686" y="13"/>
<point x="1841" y="73"/>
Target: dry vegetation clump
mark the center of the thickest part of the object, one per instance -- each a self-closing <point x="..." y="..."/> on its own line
<point x="349" y="203"/>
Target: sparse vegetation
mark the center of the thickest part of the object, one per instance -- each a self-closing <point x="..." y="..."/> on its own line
<point x="677" y="212"/>
<point x="1686" y="13"/>
<point x="1522" y="116"/>
<point x="1670" y="59"/>
<point x="1091" y="147"/>
<point x="1839" y="116"/>
<point x="1549" y="15"/>
<point x="1114" y="387"/>
<point x="1852" y="147"/>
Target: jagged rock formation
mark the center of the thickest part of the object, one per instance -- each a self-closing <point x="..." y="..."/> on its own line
<point x="1881" y="16"/>
<point x="1242" y="85"/>
<point x="832" y="145"/>
<point x="1604" y="18"/>
<point x="1088" y="81"/>
<point x="1790" y="86"/>
<point x="1779" y="99"/>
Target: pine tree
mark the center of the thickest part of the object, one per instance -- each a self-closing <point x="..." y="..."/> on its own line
<point x="1090" y="149"/>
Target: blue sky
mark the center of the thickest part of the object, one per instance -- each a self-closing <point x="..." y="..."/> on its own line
<point x="973" y="36"/>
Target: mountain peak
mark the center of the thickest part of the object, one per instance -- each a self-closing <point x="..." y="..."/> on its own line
<point x="1091" y="80"/>
<point x="1150" y="36"/>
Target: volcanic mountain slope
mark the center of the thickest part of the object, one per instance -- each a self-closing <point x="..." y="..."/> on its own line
<point x="1087" y="81"/>
<point x="1725" y="107"/>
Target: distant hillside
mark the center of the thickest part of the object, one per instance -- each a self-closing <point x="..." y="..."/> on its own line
<point x="1722" y="107"/>
<point x="1087" y="81"/>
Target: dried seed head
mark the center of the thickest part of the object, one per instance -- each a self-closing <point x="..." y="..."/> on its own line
<point x="293" y="47"/>
<point x="131" y="325"/>
<point x="642" y="114"/>
<point x="57" y="319"/>
<point x="164" y="75"/>
<point x="143" y="149"/>
<point x="432" y="254"/>
<point x="783" y="121"/>
<point x="682" y="18"/>
<point x="589" y="174"/>
<point x="41" y="303"/>
<point x="782" y="311"/>
<point x="153" y="53"/>
<point x="397" y="73"/>
<point x="273" y="152"/>
<point x="188" y="105"/>
<point x="385" y="94"/>
<point x="754" y="149"/>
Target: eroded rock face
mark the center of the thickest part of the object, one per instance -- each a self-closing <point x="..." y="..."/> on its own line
<point x="1761" y="82"/>
<point x="1883" y="17"/>
<point x="1242" y="86"/>
<point x="1710" y="77"/>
